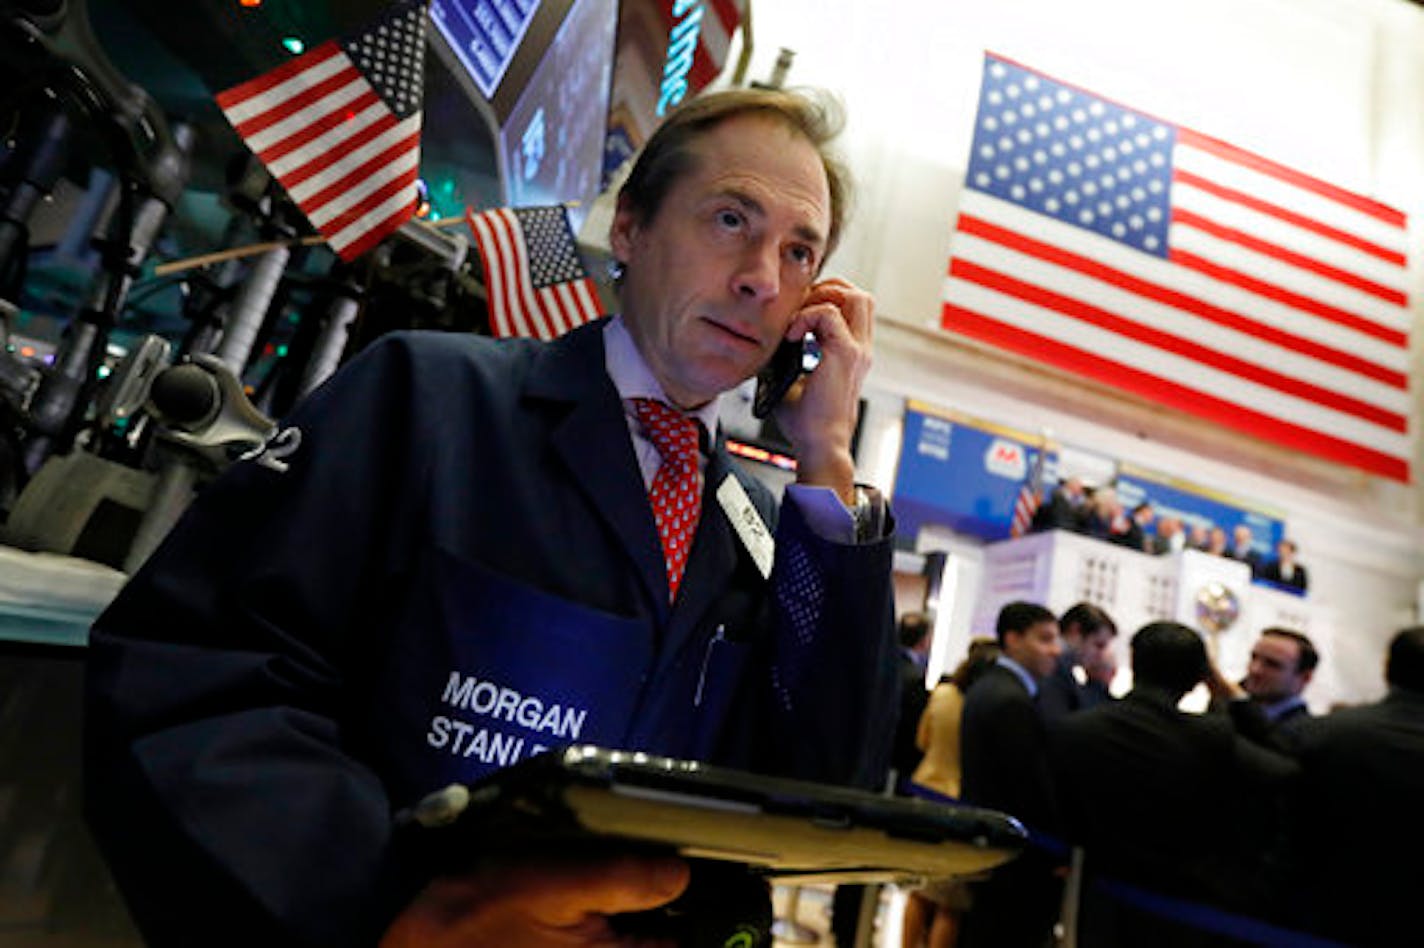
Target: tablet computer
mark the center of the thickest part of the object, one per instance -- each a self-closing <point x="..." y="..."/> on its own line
<point x="785" y="829"/>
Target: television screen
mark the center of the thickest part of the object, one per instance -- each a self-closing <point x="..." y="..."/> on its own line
<point x="552" y="142"/>
<point x="484" y="35"/>
<point x="668" y="50"/>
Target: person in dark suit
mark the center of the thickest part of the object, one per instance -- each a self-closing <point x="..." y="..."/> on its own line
<point x="914" y="632"/>
<point x="1085" y="670"/>
<point x="1217" y="543"/>
<point x="1363" y="780"/>
<point x="1173" y="803"/>
<point x="1105" y="517"/>
<point x="1284" y="570"/>
<point x="1168" y="538"/>
<point x="1067" y="508"/>
<point x="1243" y="548"/>
<point x="1004" y="759"/>
<point x="1283" y="662"/>
<point x="1133" y="534"/>
<point x="482" y="549"/>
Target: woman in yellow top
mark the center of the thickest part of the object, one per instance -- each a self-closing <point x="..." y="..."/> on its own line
<point x="932" y="912"/>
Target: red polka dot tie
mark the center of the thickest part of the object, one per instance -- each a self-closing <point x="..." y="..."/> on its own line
<point x="674" y="494"/>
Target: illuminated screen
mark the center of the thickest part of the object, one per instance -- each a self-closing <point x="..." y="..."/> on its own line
<point x="484" y="34"/>
<point x="553" y="139"/>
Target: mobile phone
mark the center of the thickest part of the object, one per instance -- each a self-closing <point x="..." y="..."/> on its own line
<point x="775" y="379"/>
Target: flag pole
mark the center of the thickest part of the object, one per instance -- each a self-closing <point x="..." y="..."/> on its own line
<point x="248" y="250"/>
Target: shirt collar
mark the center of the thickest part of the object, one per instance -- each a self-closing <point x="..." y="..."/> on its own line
<point x="633" y="379"/>
<point x="1278" y="709"/>
<point x="1003" y="661"/>
<point x="910" y="655"/>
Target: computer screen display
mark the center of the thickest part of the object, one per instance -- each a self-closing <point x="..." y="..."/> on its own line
<point x="484" y="35"/>
<point x="552" y="141"/>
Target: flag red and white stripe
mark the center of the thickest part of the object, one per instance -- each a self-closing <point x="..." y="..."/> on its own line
<point x="536" y="282"/>
<point x="1025" y="506"/>
<point x="1029" y="498"/>
<point x="719" y="20"/>
<point x="339" y="128"/>
<point x="1184" y="270"/>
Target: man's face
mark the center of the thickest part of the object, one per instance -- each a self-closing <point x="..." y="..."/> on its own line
<point x="1096" y="648"/>
<point x="1036" y="648"/>
<point x="715" y="277"/>
<point x="1241" y="536"/>
<point x="1272" y="674"/>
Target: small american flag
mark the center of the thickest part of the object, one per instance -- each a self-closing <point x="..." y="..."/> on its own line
<point x="1029" y="498"/>
<point x="537" y="284"/>
<point x="339" y="127"/>
<point x="1187" y="271"/>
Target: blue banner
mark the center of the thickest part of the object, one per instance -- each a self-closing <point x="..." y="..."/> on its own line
<point x="1195" y="505"/>
<point x="966" y="474"/>
<point x="961" y="473"/>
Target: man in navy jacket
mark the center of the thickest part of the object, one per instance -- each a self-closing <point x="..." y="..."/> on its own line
<point x="1004" y="757"/>
<point x="1363" y="777"/>
<point x="448" y="561"/>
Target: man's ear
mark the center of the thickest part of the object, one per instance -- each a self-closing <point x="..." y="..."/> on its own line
<point x="623" y="232"/>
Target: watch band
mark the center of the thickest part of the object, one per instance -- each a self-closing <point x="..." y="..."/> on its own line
<point x="868" y="513"/>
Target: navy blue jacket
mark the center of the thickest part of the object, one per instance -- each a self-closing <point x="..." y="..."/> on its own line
<point x="1362" y="780"/>
<point x="1060" y="693"/>
<point x="457" y="566"/>
<point x="1004" y="758"/>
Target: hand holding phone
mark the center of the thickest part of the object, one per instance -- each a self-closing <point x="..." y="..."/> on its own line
<point x="778" y="375"/>
<point x="819" y="411"/>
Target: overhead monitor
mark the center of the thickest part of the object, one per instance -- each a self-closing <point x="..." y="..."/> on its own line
<point x="551" y="143"/>
<point x="667" y="51"/>
<point x="484" y="35"/>
<point x="539" y="72"/>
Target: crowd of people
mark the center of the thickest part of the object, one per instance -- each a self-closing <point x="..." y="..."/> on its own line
<point x="1285" y="825"/>
<point x="1099" y="513"/>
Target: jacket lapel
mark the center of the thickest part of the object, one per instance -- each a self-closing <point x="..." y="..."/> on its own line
<point x="591" y="439"/>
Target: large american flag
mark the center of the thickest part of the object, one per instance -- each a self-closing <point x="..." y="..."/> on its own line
<point x="536" y="283"/>
<point x="339" y="127"/>
<point x="1150" y="257"/>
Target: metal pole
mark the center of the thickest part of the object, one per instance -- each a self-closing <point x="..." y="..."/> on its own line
<point x="55" y="402"/>
<point x="248" y="311"/>
<point x="326" y="353"/>
<point x="41" y="162"/>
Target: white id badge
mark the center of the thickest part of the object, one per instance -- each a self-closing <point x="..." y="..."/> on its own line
<point x="751" y="530"/>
